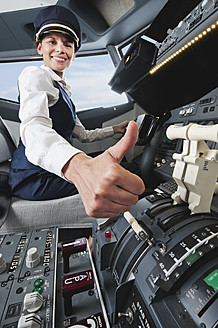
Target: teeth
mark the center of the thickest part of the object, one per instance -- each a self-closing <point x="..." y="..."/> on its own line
<point x="60" y="59"/>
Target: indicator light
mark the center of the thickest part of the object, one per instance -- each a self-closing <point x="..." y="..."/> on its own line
<point x="38" y="289"/>
<point x="38" y="283"/>
<point x="107" y="234"/>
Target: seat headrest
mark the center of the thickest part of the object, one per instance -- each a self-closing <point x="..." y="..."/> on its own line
<point x="7" y="145"/>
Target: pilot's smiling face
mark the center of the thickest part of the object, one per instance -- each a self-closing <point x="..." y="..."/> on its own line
<point x="57" y="52"/>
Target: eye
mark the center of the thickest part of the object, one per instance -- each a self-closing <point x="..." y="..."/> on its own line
<point x="69" y="45"/>
<point x="50" y="41"/>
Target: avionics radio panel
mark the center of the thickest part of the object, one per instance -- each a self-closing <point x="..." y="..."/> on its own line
<point x="198" y="20"/>
<point x="204" y="109"/>
<point x="45" y="283"/>
<point x="27" y="278"/>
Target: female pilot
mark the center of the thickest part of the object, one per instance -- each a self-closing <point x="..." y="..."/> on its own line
<point x="45" y="164"/>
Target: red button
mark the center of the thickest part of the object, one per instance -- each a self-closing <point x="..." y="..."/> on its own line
<point x="108" y="235"/>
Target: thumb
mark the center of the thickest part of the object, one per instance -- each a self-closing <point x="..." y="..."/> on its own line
<point x="126" y="143"/>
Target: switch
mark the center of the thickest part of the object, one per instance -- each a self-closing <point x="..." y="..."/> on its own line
<point x="72" y="247"/>
<point x="207" y="5"/>
<point x="29" y="321"/>
<point x="33" y="301"/>
<point x="74" y="284"/>
<point x="2" y="263"/>
<point x="33" y="258"/>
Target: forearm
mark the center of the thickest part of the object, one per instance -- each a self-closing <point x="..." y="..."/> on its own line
<point x="84" y="135"/>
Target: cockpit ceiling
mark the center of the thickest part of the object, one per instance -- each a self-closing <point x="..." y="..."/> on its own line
<point x="112" y="10"/>
<point x="103" y="22"/>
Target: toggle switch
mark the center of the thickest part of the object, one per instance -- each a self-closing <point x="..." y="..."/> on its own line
<point x="33" y="258"/>
<point x="72" y="247"/>
<point x="33" y="301"/>
<point x="2" y="263"/>
<point x="74" y="284"/>
<point x="29" y="321"/>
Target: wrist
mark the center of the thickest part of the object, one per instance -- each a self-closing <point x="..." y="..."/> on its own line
<point x="73" y="166"/>
<point x="115" y="128"/>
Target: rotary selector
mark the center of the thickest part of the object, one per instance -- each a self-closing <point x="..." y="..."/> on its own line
<point x="33" y="301"/>
<point x="33" y="258"/>
<point x="30" y="320"/>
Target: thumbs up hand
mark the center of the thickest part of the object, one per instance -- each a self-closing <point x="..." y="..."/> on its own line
<point x="106" y="188"/>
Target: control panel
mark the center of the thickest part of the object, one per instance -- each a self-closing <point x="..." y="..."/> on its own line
<point x="155" y="266"/>
<point x="159" y="264"/>
<point x="46" y="283"/>
<point x="203" y="111"/>
<point x="28" y="264"/>
<point x="185" y="65"/>
<point x="200" y="18"/>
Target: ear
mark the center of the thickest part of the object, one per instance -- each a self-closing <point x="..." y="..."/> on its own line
<point x="39" y="49"/>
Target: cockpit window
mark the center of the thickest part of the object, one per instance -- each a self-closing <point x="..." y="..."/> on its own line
<point x="87" y="76"/>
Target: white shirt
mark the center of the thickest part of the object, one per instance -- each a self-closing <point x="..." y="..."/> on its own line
<point x="44" y="146"/>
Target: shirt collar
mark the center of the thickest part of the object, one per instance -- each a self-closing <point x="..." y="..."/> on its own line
<point x="57" y="78"/>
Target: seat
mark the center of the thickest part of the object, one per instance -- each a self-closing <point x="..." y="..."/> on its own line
<point x="24" y="215"/>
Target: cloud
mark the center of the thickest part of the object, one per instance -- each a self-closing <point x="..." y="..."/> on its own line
<point x="89" y="83"/>
<point x="87" y="76"/>
<point x="10" y="93"/>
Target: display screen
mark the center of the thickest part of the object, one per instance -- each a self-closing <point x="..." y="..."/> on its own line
<point x="168" y="144"/>
<point x="212" y="279"/>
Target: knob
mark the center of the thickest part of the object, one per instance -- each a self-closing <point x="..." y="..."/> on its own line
<point x="30" y="320"/>
<point x="33" y="301"/>
<point x="169" y="31"/>
<point x="183" y="25"/>
<point x="189" y="110"/>
<point x="2" y="263"/>
<point x="207" y="4"/>
<point x="33" y="258"/>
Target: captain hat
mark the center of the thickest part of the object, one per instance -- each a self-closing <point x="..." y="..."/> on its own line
<point x="58" y="19"/>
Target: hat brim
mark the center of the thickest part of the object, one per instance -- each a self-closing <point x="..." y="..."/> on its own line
<point x="60" y="29"/>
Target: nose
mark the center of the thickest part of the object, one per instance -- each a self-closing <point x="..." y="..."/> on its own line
<point x="59" y="47"/>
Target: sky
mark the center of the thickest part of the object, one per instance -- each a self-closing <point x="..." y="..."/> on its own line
<point x="88" y="78"/>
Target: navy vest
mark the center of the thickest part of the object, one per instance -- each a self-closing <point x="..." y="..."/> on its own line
<point x="63" y="122"/>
